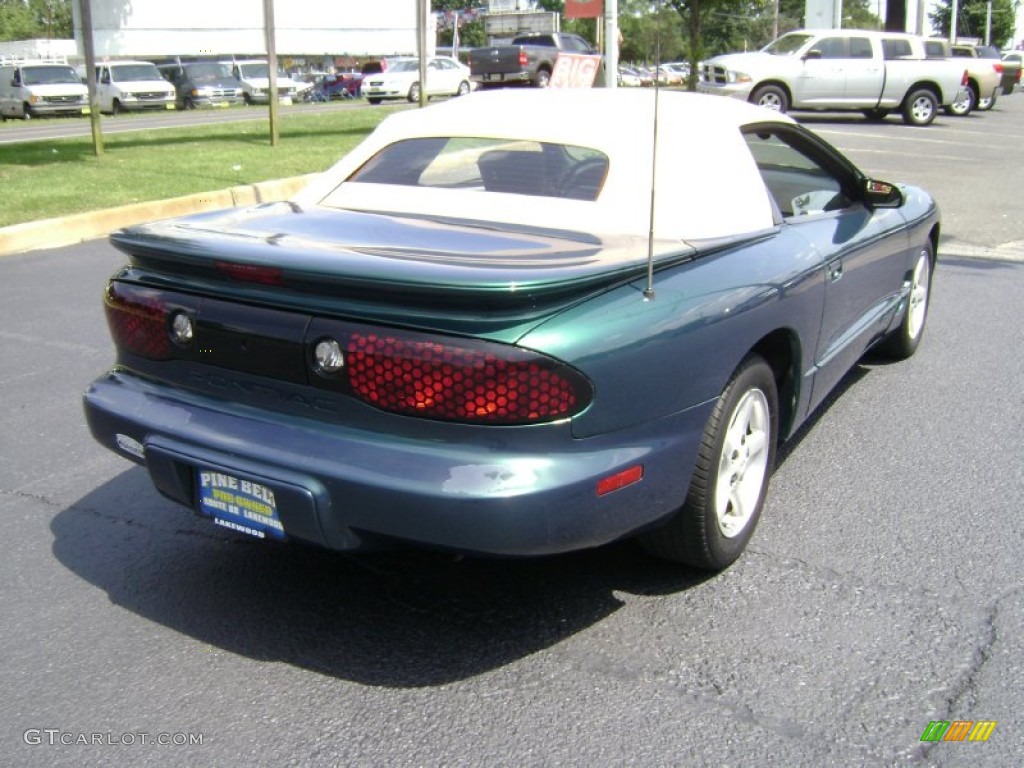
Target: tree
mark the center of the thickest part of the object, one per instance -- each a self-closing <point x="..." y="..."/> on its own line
<point x="471" y="34"/>
<point x="35" y="19"/>
<point x="971" y="20"/>
<point x="717" y="26"/>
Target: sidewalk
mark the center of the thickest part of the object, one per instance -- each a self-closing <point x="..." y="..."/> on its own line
<point x="68" y="230"/>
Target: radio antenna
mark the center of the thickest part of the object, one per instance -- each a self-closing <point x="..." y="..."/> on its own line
<point x="649" y="289"/>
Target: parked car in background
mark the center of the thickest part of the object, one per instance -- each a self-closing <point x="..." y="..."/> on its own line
<point x="474" y="333"/>
<point x="985" y="55"/>
<point x="629" y="77"/>
<point x="401" y="80"/>
<point x="254" y="75"/>
<point x="668" y="75"/>
<point x="38" y="87"/>
<point x="679" y="69"/>
<point x="527" y="60"/>
<point x="131" y="86"/>
<point x="1012" y="66"/>
<point x="339" y="85"/>
<point x="984" y="73"/>
<point x="201" y="84"/>
<point x="875" y="73"/>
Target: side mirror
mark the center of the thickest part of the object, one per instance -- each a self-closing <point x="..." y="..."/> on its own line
<point x="881" y="194"/>
<point x="814" y="53"/>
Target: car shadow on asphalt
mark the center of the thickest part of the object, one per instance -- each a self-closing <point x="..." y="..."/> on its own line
<point x="397" y="619"/>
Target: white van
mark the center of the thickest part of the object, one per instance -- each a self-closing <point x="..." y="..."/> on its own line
<point x="255" y="78"/>
<point x="34" y="87"/>
<point x="123" y="86"/>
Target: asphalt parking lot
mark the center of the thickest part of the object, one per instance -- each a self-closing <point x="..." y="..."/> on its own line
<point x="882" y="591"/>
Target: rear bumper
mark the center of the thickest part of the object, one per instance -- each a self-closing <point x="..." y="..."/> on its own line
<point x="502" y="77"/>
<point x="347" y="488"/>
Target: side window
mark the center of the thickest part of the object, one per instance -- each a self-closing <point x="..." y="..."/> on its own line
<point x="898" y="49"/>
<point x="796" y="175"/>
<point x="860" y="48"/>
<point x="832" y="48"/>
<point x="105" y="76"/>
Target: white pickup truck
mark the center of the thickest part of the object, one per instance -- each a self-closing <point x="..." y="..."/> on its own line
<point x="840" y="69"/>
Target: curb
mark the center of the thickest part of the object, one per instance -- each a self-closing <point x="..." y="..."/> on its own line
<point x="77" y="228"/>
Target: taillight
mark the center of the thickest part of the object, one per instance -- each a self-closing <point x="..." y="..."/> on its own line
<point x="998" y="67"/>
<point x="250" y="273"/>
<point x="524" y="60"/>
<point x="138" y="320"/>
<point x="461" y="380"/>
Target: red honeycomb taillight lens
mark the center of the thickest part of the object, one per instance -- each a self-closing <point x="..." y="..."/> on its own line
<point x="138" y="320"/>
<point x="465" y="381"/>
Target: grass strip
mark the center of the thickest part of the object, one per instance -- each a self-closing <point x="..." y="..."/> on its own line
<point x="47" y="179"/>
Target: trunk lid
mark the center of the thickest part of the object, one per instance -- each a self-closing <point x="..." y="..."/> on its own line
<point x="453" y="275"/>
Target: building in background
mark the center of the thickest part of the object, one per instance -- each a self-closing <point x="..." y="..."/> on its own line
<point x="304" y="28"/>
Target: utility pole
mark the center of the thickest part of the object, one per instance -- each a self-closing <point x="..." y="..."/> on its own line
<point x="421" y="44"/>
<point x="611" y="43"/>
<point x="90" y="77"/>
<point x="268" y="30"/>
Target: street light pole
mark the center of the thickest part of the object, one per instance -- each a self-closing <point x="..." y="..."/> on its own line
<point x="268" y="30"/>
<point x="90" y="77"/>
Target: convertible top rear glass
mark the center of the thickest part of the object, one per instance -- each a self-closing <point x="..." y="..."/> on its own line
<point x="489" y="165"/>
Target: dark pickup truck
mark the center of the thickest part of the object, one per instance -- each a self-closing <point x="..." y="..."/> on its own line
<point x="528" y="60"/>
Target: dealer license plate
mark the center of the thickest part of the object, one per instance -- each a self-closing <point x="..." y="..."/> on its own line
<point x="242" y="505"/>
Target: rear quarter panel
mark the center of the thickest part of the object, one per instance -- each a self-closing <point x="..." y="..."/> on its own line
<point x="649" y="358"/>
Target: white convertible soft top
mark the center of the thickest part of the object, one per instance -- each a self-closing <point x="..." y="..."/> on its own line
<point x="708" y="185"/>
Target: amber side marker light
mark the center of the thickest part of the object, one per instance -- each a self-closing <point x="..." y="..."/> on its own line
<point x="619" y="480"/>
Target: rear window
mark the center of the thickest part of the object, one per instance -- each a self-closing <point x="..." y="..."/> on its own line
<point x="490" y="165"/>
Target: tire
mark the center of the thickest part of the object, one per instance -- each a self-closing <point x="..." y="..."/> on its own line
<point x="414" y="92"/>
<point x="116" y="108"/>
<point x="542" y="79"/>
<point x="26" y="112"/>
<point x="876" y="114"/>
<point x="984" y="105"/>
<point x="920" y="107"/>
<point x="963" y="107"/>
<point x="188" y="104"/>
<point x="373" y="100"/>
<point x="248" y="99"/>
<point x="730" y="479"/>
<point x="463" y="89"/>
<point x="903" y="341"/>
<point x="771" y="97"/>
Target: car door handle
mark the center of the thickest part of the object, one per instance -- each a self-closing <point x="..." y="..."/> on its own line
<point x="835" y="270"/>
